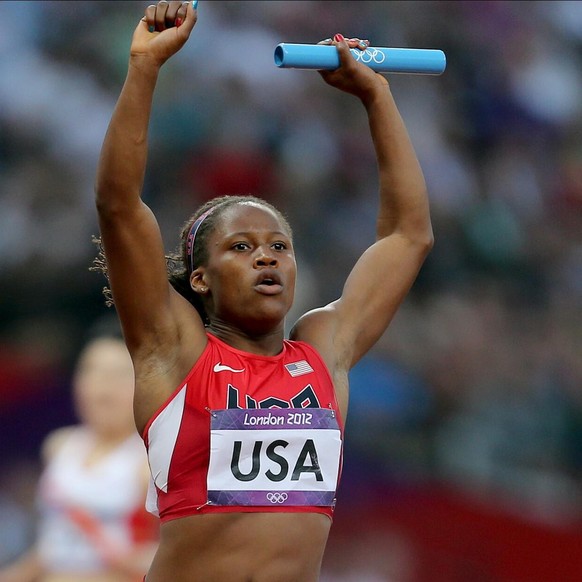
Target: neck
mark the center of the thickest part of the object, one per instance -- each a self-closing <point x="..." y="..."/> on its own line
<point x="103" y="444"/>
<point x="109" y="439"/>
<point x="267" y="343"/>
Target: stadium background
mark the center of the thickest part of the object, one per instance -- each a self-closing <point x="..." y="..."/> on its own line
<point x="464" y="440"/>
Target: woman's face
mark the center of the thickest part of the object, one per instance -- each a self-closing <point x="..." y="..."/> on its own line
<point x="251" y="269"/>
<point x="103" y="386"/>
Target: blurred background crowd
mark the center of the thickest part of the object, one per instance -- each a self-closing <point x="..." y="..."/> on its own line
<point x="475" y="391"/>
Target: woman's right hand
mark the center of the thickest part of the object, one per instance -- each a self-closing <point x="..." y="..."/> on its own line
<point x="163" y="31"/>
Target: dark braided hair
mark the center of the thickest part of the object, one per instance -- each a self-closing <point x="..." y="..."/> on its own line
<point x="178" y="262"/>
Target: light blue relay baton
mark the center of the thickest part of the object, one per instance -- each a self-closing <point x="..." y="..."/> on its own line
<point x="382" y="60"/>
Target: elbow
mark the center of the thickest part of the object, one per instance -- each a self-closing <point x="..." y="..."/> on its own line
<point x="104" y="206"/>
<point x="422" y="241"/>
<point x="100" y="200"/>
<point x="419" y="231"/>
<point x="112" y="199"/>
<point x="428" y="241"/>
<point x="103" y="196"/>
<point x="425" y="242"/>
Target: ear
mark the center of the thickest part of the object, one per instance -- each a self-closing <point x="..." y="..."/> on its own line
<point x="198" y="281"/>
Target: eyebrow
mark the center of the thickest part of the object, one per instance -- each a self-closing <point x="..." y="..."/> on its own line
<point x="253" y="232"/>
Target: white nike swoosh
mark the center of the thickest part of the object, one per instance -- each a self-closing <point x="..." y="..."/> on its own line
<point x="224" y="368"/>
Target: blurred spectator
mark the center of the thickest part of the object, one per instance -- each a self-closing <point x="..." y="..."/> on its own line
<point x="92" y="523"/>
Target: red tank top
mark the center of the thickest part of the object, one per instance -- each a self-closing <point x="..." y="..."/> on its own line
<point x="247" y="433"/>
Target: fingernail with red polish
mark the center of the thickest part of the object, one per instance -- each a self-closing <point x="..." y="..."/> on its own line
<point x="338" y="37"/>
<point x="179" y="22"/>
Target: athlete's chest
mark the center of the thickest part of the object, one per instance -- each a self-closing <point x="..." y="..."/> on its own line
<point x="233" y="383"/>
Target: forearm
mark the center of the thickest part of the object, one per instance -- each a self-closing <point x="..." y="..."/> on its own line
<point x="121" y="169"/>
<point x="403" y="202"/>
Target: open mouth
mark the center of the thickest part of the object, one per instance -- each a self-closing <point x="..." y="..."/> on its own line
<point x="269" y="284"/>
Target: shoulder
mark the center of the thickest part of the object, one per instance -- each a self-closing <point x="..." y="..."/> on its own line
<point x="55" y="441"/>
<point x="313" y="324"/>
<point x="318" y="329"/>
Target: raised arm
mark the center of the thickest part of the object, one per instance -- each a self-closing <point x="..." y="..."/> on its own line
<point x="347" y="328"/>
<point x="136" y="267"/>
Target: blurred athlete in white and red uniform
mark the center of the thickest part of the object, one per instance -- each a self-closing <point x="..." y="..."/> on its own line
<point x="93" y="526"/>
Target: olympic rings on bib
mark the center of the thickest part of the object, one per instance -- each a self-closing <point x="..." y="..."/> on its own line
<point x="276" y="497"/>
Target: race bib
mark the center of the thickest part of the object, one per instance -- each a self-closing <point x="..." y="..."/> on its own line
<point x="274" y="456"/>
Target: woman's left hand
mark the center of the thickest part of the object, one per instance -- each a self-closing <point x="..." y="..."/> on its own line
<point x="352" y="76"/>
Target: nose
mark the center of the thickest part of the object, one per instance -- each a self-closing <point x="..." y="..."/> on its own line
<point x="265" y="259"/>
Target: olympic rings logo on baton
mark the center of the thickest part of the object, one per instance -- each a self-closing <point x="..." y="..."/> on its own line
<point x="369" y="55"/>
<point x="276" y="497"/>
